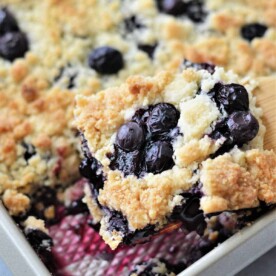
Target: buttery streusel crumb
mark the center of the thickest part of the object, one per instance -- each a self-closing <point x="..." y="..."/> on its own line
<point x="16" y="203"/>
<point x="36" y="224"/>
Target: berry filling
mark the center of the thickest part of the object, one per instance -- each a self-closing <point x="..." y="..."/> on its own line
<point x="106" y="60"/>
<point x="90" y="168"/>
<point x="144" y="145"/>
<point x="39" y="240"/>
<point x="190" y="215"/>
<point x="253" y="30"/>
<point x="193" y="9"/>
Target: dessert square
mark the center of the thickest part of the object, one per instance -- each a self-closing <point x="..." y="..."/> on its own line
<point x="172" y="148"/>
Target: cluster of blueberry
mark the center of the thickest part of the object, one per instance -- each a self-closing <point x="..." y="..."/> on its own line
<point x="144" y="145"/>
<point x="240" y="126"/>
<point x="13" y="42"/>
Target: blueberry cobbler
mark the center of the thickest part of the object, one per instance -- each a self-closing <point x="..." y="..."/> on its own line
<point x="175" y="150"/>
<point x="172" y="149"/>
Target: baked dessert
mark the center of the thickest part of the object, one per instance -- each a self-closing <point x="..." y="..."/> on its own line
<point x="52" y="50"/>
<point x="172" y="148"/>
<point x="47" y="58"/>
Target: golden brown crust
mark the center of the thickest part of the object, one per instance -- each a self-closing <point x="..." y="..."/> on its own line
<point x="34" y="223"/>
<point x="228" y="185"/>
<point x="262" y="167"/>
<point x="16" y="203"/>
<point x="147" y="200"/>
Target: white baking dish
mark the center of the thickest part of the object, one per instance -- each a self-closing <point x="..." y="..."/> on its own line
<point x="227" y="259"/>
<point x="15" y="251"/>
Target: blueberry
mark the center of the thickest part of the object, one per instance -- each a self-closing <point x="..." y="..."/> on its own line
<point x="7" y="22"/>
<point x="253" y="30"/>
<point x="46" y="196"/>
<point x="140" y="236"/>
<point x="141" y="116"/>
<point x="173" y="7"/>
<point x="106" y="60"/>
<point x="39" y="240"/>
<point x="130" y="136"/>
<point x="127" y="162"/>
<point x="13" y="45"/>
<point x="195" y="11"/>
<point x="163" y="118"/>
<point x="232" y="97"/>
<point x="200" y="66"/>
<point x="90" y="168"/>
<point x="76" y="207"/>
<point x="220" y="130"/>
<point x="159" y="157"/>
<point x="148" y="49"/>
<point x="243" y="127"/>
<point x="29" y="151"/>
<point x="71" y="81"/>
<point x="190" y="215"/>
<point x="132" y="23"/>
<point x="118" y="222"/>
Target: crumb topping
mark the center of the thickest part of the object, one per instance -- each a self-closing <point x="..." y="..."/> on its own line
<point x="36" y="224"/>
<point x="16" y="203"/>
<point x="228" y="185"/>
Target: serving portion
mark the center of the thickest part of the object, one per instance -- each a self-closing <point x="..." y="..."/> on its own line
<point x="170" y="149"/>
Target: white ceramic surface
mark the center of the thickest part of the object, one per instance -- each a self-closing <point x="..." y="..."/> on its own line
<point x="15" y="251"/>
